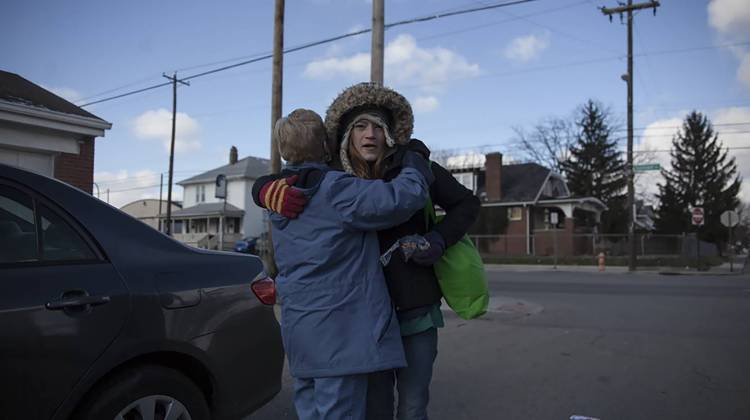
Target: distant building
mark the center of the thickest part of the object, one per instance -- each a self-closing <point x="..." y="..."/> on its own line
<point x="529" y="196"/>
<point x="203" y="215"/>
<point x="147" y="210"/>
<point x="45" y="133"/>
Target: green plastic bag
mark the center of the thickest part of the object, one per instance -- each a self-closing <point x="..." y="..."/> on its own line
<point x="460" y="273"/>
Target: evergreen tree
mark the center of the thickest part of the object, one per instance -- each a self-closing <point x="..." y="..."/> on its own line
<point x="595" y="167"/>
<point x="701" y="176"/>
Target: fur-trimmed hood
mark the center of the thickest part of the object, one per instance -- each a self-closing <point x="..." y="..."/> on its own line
<point x="364" y="96"/>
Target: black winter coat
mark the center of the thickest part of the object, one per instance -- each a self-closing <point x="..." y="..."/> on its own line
<point x="412" y="285"/>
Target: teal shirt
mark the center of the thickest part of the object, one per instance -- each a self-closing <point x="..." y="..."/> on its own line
<point x="433" y="318"/>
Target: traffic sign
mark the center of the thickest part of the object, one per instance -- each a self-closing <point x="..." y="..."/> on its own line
<point x="730" y="218"/>
<point x="646" y="167"/>
<point x="696" y="214"/>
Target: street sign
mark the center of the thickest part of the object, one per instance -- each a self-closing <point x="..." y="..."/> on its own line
<point x="646" y="167"/>
<point x="221" y="186"/>
<point x="553" y="218"/>
<point x="696" y="214"/>
<point x="730" y="218"/>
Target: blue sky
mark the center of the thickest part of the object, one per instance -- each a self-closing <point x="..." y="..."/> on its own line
<point x="471" y="78"/>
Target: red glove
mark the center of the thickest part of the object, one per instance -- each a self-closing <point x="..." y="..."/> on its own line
<point x="280" y="197"/>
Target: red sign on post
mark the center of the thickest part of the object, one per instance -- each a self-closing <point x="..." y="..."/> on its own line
<point x="697" y="216"/>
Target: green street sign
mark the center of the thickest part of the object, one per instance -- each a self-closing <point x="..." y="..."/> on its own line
<point x="647" y="167"/>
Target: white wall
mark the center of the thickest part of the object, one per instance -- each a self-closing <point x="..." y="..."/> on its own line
<point x="253" y="222"/>
<point x="236" y="193"/>
<point x="41" y="163"/>
<point x="239" y="194"/>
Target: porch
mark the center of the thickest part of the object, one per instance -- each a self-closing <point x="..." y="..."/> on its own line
<point x="208" y="225"/>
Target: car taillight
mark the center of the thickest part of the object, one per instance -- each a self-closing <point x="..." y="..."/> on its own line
<point x="265" y="290"/>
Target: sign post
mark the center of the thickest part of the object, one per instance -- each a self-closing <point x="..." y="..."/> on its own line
<point x="730" y="219"/>
<point x="697" y="216"/>
<point x="553" y="221"/>
<point x="221" y="192"/>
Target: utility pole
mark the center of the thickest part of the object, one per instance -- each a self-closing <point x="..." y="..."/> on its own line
<point x="171" y="148"/>
<point x="161" y="187"/>
<point x="277" y="82"/>
<point x="628" y="78"/>
<point x="378" y="34"/>
<point x="276" y="98"/>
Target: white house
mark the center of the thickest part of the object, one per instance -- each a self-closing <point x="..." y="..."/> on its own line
<point x="198" y="222"/>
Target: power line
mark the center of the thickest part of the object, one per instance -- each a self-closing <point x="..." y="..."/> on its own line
<point x="576" y="63"/>
<point x="499" y="22"/>
<point x="317" y="43"/>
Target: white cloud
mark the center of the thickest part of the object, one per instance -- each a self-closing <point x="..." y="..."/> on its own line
<point x="157" y="125"/>
<point x="658" y="136"/>
<point x="731" y="19"/>
<point x="527" y="47"/>
<point x="356" y="66"/>
<point x="424" y="104"/>
<point x="729" y="136"/>
<point x="405" y="63"/>
<point x="729" y="16"/>
<point x="125" y="187"/>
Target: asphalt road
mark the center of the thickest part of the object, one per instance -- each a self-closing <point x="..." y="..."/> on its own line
<point x="606" y="345"/>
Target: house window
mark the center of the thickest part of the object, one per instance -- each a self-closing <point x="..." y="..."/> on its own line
<point x="515" y="213"/>
<point x="200" y="193"/>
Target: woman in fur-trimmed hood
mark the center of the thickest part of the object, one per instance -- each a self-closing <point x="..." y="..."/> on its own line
<point x="369" y="130"/>
<point x="412" y="285"/>
<point x="382" y="106"/>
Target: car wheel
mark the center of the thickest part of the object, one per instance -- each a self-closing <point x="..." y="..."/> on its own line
<point x="148" y="392"/>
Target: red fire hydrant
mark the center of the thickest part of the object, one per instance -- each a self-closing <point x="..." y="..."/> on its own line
<point x="602" y="261"/>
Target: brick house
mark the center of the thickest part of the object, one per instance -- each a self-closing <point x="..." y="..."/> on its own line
<point x="519" y="204"/>
<point x="45" y="133"/>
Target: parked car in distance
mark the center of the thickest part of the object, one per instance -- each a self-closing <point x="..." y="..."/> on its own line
<point x="102" y="317"/>
<point x="248" y="245"/>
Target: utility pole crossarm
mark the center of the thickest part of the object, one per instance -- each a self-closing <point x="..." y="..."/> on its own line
<point x="623" y="9"/>
<point x="175" y="79"/>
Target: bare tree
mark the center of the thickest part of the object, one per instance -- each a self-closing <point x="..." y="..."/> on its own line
<point x="548" y="142"/>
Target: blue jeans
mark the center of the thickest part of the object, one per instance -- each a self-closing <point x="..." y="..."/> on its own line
<point x="412" y="382"/>
<point x="331" y="398"/>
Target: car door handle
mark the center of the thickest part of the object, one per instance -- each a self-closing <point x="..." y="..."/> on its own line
<point x="77" y="301"/>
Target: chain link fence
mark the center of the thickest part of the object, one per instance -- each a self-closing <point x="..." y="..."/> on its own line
<point x="563" y="244"/>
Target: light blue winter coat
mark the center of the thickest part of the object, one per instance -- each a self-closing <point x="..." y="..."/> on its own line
<point x="336" y="314"/>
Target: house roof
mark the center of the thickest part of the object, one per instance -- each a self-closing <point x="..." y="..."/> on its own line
<point x="209" y="209"/>
<point x="15" y="89"/>
<point x="141" y="200"/>
<point x="249" y="167"/>
<point x="522" y="182"/>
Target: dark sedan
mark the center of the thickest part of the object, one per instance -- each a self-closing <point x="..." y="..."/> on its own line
<point x="103" y="317"/>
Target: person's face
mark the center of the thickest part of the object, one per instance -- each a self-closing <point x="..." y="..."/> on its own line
<point x="369" y="140"/>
